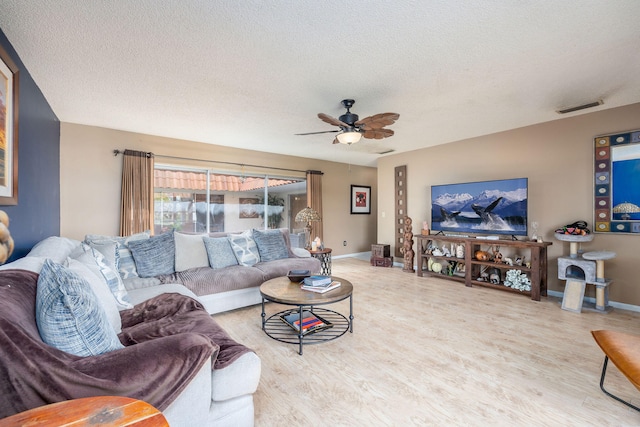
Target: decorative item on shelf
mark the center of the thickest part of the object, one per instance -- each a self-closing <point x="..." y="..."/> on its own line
<point x="407" y="246"/>
<point x="516" y="279"/>
<point x="446" y="251"/>
<point x="460" y="251"/>
<point x="450" y="268"/>
<point x="497" y="255"/>
<point x="430" y="262"/>
<point x="507" y="261"/>
<point x="484" y="275"/>
<point x="534" y="231"/>
<point x="317" y="244"/>
<point x="308" y="215"/>
<point x="6" y="241"/>
<point x="437" y="252"/>
<point x="494" y="276"/>
<point x="425" y="228"/>
<point x="519" y="260"/>
<point x="436" y="267"/>
<point x="482" y="255"/>
<point x="460" y="270"/>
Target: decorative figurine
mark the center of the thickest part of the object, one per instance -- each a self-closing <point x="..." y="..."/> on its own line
<point x="407" y="246"/>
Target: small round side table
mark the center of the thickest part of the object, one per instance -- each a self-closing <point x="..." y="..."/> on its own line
<point x="324" y="255"/>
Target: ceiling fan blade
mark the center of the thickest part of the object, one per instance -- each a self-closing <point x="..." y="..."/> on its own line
<point x="377" y="121"/>
<point x="331" y="120"/>
<point x="377" y="133"/>
<point x="315" y="133"/>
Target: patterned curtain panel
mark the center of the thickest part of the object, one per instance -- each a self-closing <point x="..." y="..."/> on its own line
<point x="314" y="200"/>
<point x="136" y="214"/>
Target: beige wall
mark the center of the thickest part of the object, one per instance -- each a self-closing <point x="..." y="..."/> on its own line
<point x="556" y="157"/>
<point x="90" y="181"/>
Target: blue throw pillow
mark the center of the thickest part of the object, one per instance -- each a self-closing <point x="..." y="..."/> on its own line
<point x="271" y="244"/>
<point x="219" y="252"/>
<point x="69" y="315"/>
<point x="154" y="256"/>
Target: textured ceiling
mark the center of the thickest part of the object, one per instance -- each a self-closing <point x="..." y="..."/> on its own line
<point x="251" y="74"/>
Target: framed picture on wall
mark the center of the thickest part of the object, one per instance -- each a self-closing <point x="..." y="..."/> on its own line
<point x="360" y="199"/>
<point x="8" y="130"/>
<point x="617" y="194"/>
<point x="249" y="207"/>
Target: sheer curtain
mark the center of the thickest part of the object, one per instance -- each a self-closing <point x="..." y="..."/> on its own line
<point x="136" y="213"/>
<point x="314" y="200"/>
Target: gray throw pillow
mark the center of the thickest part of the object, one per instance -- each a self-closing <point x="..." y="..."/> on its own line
<point x="219" y="252"/>
<point x="271" y="244"/>
<point x="68" y="314"/>
<point x="154" y="256"/>
<point x="126" y="266"/>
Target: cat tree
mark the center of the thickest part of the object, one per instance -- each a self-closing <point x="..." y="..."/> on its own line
<point x="582" y="269"/>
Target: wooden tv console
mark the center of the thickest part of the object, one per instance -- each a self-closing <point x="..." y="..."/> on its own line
<point x="536" y="255"/>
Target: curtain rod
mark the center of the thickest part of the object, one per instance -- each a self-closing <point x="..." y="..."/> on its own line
<point x="116" y="152"/>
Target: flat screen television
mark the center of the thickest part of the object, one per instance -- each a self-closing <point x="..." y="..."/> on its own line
<point x="485" y="207"/>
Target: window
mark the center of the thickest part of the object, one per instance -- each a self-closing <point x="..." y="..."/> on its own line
<point x="201" y="200"/>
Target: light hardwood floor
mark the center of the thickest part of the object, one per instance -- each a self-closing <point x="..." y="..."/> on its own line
<point x="430" y="352"/>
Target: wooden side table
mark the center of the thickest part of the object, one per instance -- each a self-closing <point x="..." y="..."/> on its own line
<point x="324" y="255"/>
<point x="90" y="411"/>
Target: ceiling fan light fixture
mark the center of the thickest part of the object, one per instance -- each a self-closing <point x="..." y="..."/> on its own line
<point x="349" y="137"/>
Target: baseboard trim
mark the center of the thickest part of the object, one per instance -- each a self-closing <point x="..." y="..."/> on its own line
<point x="592" y="300"/>
<point x="623" y="306"/>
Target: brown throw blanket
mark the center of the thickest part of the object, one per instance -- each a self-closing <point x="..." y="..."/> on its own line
<point x="171" y="314"/>
<point x="160" y="359"/>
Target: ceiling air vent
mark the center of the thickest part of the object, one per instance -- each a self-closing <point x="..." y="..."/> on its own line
<point x="386" y="152"/>
<point x="580" y="107"/>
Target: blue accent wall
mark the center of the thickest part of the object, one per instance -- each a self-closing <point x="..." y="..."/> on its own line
<point x="37" y="214"/>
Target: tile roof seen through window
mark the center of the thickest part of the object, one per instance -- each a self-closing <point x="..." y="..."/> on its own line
<point x="197" y="181"/>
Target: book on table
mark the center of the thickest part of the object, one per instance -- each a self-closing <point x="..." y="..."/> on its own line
<point x="317" y="281"/>
<point x="321" y="289"/>
<point x="311" y="322"/>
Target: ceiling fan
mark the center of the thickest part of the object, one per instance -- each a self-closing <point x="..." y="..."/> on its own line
<point x="352" y="129"/>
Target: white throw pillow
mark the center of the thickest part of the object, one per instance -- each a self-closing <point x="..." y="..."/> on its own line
<point x="190" y="251"/>
<point x="55" y="248"/>
<point x="245" y="248"/>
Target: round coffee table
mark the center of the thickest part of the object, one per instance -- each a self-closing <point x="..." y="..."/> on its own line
<point x="283" y="291"/>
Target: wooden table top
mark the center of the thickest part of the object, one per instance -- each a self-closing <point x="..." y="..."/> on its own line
<point x="90" y="411"/>
<point x="320" y="251"/>
<point x="284" y="291"/>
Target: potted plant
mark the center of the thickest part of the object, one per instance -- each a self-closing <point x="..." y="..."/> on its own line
<point x="275" y="207"/>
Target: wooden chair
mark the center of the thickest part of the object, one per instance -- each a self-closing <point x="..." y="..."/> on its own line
<point x="624" y="351"/>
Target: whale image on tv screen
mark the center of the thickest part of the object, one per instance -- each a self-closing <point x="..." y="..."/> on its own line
<point x="486" y="207"/>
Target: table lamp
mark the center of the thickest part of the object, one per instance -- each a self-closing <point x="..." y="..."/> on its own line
<point x="307" y="215"/>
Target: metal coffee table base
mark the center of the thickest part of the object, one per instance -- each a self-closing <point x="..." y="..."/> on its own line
<point x="275" y="328"/>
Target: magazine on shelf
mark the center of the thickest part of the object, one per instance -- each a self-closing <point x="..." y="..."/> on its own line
<point x="321" y="289"/>
<point x="310" y="322"/>
<point x="317" y="280"/>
